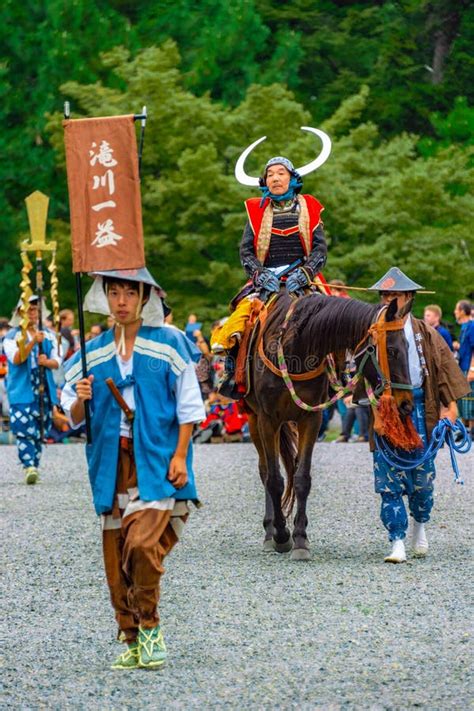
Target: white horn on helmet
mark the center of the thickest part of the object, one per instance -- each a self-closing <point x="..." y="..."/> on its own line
<point x="240" y="173"/>
<point x="323" y="156"/>
<point x="245" y="179"/>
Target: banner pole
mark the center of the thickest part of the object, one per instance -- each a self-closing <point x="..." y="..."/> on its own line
<point x="82" y="329"/>
<point x="143" y="118"/>
<point x="82" y="340"/>
<point x="39" y="294"/>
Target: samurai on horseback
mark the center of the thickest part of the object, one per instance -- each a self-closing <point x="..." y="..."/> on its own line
<point x="291" y="344"/>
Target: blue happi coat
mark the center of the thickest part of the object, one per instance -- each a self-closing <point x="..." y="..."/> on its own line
<point x="19" y="381"/>
<point x="160" y="355"/>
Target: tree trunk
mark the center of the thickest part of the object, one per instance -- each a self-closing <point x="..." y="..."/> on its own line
<point x="444" y="20"/>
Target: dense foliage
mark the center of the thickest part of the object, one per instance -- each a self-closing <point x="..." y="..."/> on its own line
<point x="390" y="81"/>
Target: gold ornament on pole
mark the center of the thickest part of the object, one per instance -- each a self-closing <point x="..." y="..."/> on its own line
<point x="26" y="292"/>
<point x="37" y="209"/>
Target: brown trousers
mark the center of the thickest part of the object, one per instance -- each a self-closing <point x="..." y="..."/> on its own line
<point x="134" y="550"/>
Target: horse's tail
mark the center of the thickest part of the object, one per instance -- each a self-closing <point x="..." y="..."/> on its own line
<point x="289" y="455"/>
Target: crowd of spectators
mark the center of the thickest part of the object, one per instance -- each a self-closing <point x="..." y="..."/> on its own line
<point x="69" y="343"/>
<point x="226" y="421"/>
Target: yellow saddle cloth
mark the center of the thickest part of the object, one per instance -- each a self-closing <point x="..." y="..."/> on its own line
<point x="224" y="335"/>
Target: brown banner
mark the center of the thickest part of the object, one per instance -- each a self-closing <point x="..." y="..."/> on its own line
<point x="104" y="194"/>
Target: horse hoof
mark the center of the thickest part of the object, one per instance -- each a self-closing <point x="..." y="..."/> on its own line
<point x="268" y="545"/>
<point x="283" y="547"/>
<point x="300" y="554"/>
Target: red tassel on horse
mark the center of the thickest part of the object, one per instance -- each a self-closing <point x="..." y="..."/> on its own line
<point x="388" y="423"/>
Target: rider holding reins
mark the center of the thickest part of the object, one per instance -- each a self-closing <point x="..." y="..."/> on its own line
<point x="283" y="241"/>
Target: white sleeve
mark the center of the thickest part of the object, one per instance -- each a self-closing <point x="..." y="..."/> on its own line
<point x="10" y="347"/>
<point x="54" y="349"/>
<point x="68" y="396"/>
<point x="189" y="404"/>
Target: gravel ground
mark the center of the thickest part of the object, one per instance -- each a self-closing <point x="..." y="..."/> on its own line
<point x="245" y="629"/>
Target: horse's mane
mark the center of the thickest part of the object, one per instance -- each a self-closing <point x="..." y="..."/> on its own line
<point x="320" y="324"/>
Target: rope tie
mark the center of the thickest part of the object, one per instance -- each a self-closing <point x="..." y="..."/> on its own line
<point x="443" y="433"/>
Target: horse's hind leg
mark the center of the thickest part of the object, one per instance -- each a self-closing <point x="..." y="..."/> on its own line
<point x="308" y="429"/>
<point x="262" y="470"/>
<point x="270" y="440"/>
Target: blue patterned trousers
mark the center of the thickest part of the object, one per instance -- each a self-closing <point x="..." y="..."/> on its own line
<point x="25" y="425"/>
<point x="417" y="484"/>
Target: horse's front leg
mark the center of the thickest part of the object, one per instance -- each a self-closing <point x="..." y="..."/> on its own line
<point x="270" y="439"/>
<point x="268" y="544"/>
<point x="308" y="429"/>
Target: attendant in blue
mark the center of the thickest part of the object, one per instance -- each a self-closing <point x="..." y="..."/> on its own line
<point x="465" y="349"/>
<point x="437" y="384"/>
<point x="29" y="416"/>
<point x="432" y="316"/>
<point x="140" y="459"/>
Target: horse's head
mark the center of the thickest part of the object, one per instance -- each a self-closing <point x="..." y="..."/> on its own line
<point x="386" y="371"/>
<point x="397" y="355"/>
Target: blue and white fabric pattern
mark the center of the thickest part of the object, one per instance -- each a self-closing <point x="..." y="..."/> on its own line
<point x="19" y="377"/>
<point x="161" y="357"/>
<point x="417" y="484"/>
<point x="25" y="425"/>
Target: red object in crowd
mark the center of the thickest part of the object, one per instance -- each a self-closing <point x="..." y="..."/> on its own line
<point x="234" y="420"/>
<point x="3" y="365"/>
<point x="230" y="415"/>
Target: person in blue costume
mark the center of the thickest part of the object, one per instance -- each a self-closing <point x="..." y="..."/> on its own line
<point x="465" y="350"/>
<point x="31" y="409"/>
<point x="437" y="383"/>
<point x="140" y="459"/>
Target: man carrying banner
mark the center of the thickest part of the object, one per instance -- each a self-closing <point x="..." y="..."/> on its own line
<point x="30" y="410"/>
<point x="144" y="399"/>
<point x="135" y="385"/>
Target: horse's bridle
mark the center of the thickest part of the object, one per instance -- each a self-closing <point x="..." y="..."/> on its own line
<point x="377" y="344"/>
<point x="376" y="351"/>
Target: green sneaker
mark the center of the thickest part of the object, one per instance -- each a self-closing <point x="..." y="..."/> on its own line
<point x="151" y="647"/>
<point x="31" y="475"/>
<point x="128" y="659"/>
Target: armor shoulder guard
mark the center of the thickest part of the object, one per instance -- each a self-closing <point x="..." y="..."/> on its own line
<point x="314" y="209"/>
<point x="255" y="212"/>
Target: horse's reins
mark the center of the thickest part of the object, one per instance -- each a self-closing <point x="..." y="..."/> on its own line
<point x="277" y="370"/>
<point x="377" y="333"/>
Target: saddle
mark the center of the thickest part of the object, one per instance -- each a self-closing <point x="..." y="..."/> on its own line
<point x="252" y="329"/>
<point x="253" y="333"/>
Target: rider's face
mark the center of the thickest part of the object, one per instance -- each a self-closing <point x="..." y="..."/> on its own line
<point x="278" y="179"/>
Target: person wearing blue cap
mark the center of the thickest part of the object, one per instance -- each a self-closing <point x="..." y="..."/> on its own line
<point x="144" y="399"/>
<point x="437" y="383"/>
<point x="283" y="242"/>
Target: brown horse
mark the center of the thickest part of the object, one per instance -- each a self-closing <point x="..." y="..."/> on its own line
<point x="319" y="325"/>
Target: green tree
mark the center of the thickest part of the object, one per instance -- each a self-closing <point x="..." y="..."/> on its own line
<point x="225" y="47"/>
<point x="41" y="44"/>
<point x="413" y="54"/>
<point x="385" y="203"/>
<point x="390" y="206"/>
<point x="240" y="59"/>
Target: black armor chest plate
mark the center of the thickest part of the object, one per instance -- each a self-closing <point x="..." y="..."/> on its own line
<point x="284" y="249"/>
